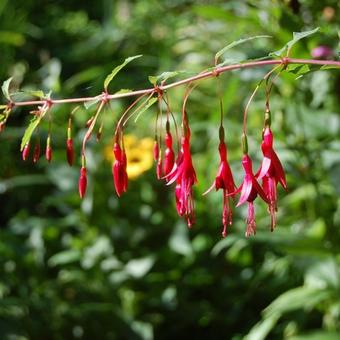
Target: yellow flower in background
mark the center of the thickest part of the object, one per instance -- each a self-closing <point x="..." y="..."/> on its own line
<point x="138" y="153"/>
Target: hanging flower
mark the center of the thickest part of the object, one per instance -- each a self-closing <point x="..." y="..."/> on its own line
<point x="185" y="177"/>
<point x="249" y="189"/>
<point x="36" y="152"/>
<point x="82" y="184"/>
<point x="26" y="151"/>
<point x="224" y="180"/>
<point x="169" y="157"/>
<point x="271" y="172"/>
<point x="120" y="177"/>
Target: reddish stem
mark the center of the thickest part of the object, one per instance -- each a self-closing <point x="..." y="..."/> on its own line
<point x="203" y="75"/>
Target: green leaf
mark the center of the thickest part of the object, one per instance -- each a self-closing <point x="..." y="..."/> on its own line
<point x="138" y="268"/>
<point x="317" y="335"/>
<point x="5" y="88"/>
<point x="157" y="80"/>
<point x="297" y="298"/>
<point x="64" y="257"/>
<point x="29" y="131"/>
<point x="238" y="42"/>
<point x="109" y="78"/>
<point x="329" y="67"/>
<point x="144" y="106"/>
<point x="261" y="329"/>
<point x="35" y="93"/>
<point x="296" y="37"/>
<point x="122" y="91"/>
<point x="92" y="102"/>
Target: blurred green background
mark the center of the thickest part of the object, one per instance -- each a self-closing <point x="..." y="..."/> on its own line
<point x="104" y="268"/>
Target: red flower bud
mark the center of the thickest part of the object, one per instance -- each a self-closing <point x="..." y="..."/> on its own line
<point x="155" y="151"/>
<point x="36" y="152"/>
<point x="26" y="151"/>
<point x="48" y="153"/>
<point x="69" y="151"/>
<point x="159" y="168"/>
<point x="82" y="182"/>
<point x="2" y="126"/>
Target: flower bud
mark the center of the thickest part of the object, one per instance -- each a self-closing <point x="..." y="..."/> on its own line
<point x="69" y="151"/>
<point x="26" y="151"/>
<point x="36" y="152"/>
<point x="156" y="151"/>
<point x="82" y="182"/>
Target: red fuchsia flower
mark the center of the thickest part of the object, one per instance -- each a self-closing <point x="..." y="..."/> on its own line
<point x="185" y="177"/>
<point x="224" y="180"/>
<point x="120" y="177"/>
<point x="69" y="144"/>
<point x="26" y="151"/>
<point x="82" y="184"/>
<point x="250" y="188"/>
<point x="271" y="172"/>
<point x="169" y="156"/>
<point x="36" y="152"/>
<point x="49" y="153"/>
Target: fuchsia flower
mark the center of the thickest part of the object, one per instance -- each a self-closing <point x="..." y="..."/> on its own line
<point x="184" y="175"/>
<point x="224" y="180"/>
<point x="82" y="183"/>
<point x="271" y="172"/>
<point x="26" y="151"/>
<point x="250" y="188"/>
<point x="169" y="157"/>
<point x="119" y="173"/>
<point x="36" y="152"/>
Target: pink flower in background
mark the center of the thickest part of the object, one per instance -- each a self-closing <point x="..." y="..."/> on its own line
<point x="322" y="52"/>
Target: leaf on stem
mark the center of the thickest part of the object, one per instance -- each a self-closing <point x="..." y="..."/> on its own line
<point x="92" y="102"/>
<point x="238" y="42"/>
<point x="109" y="78"/>
<point x="29" y="131"/>
<point x="296" y="37"/>
<point x="35" y="93"/>
<point x="122" y="91"/>
<point x="5" y="88"/>
<point x="157" y="80"/>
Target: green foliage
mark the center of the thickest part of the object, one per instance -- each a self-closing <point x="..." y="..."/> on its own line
<point x="296" y="37"/>
<point x="114" y="72"/>
<point x="5" y="88"/>
<point x="236" y="43"/>
<point x="129" y="268"/>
